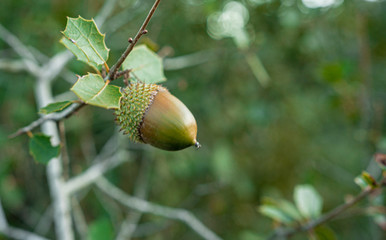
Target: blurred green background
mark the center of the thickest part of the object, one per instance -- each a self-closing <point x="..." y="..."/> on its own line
<point x="284" y="93"/>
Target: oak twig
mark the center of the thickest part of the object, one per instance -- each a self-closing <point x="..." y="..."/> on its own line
<point x="50" y="117"/>
<point x="289" y="232"/>
<point x="113" y="71"/>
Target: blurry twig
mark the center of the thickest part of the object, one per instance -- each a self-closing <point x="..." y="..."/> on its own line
<point x="92" y="174"/>
<point x="15" y="233"/>
<point x="189" y="60"/>
<point x="26" y="56"/>
<point x="129" y="225"/>
<point x="12" y="65"/>
<point x="287" y="233"/>
<point x="105" y="11"/>
<point x="79" y="219"/>
<point x="132" y="42"/>
<point x="152" y="208"/>
<point x="50" y="117"/>
<point x="257" y="68"/>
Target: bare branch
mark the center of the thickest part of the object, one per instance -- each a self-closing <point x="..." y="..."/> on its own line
<point x="177" y="63"/>
<point x="141" y="31"/>
<point x="129" y="225"/>
<point x="26" y="56"/>
<point x="12" y="65"/>
<point x="61" y="203"/>
<point x="92" y="174"/>
<point x="105" y="12"/>
<point x="79" y="218"/>
<point x="13" y="232"/>
<point x="50" y="117"/>
<point x="152" y="208"/>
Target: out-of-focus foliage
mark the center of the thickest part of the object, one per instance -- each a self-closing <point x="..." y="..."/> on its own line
<point x="284" y="92"/>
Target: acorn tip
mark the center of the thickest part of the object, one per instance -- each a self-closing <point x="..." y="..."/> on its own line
<point x="197" y="145"/>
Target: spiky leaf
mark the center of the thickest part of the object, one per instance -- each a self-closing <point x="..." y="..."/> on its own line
<point x="83" y="38"/>
<point x="146" y="66"/>
<point x="41" y="149"/>
<point x="55" y="107"/>
<point x="94" y="91"/>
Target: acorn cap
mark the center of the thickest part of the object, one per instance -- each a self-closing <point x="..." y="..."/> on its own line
<point x="150" y="114"/>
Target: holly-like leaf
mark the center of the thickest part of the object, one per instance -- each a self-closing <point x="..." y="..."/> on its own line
<point x="85" y="41"/>
<point x="308" y="201"/>
<point x="41" y="149"/>
<point x="78" y="52"/>
<point x="94" y="91"/>
<point x="55" y="107"/>
<point x="145" y="65"/>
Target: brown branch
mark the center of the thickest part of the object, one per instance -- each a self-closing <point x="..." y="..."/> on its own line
<point x="287" y="233"/>
<point x="113" y="71"/>
<point x="51" y="117"/>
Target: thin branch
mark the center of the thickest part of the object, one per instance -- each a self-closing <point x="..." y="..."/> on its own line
<point x="79" y="218"/>
<point x="92" y="174"/>
<point x="50" y="117"/>
<point x="13" y="232"/>
<point x="141" y="31"/>
<point x="129" y="225"/>
<point x="105" y="12"/>
<point x="26" y="56"/>
<point x="286" y="233"/>
<point x="152" y="208"/>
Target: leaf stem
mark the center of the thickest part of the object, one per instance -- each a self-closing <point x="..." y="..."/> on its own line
<point x="141" y="31"/>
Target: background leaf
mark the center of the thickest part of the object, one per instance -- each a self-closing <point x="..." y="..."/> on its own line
<point x="55" y="107"/>
<point x="280" y="208"/>
<point x="145" y="64"/>
<point x="92" y="90"/>
<point x="308" y="201"/>
<point x="100" y="229"/>
<point x="86" y="41"/>
<point x="275" y="213"/>
<point x="41" y="148"/>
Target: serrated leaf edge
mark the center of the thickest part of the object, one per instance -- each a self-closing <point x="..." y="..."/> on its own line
<point x="103" y="38"/>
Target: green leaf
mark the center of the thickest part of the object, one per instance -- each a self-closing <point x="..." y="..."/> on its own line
<point x="94" y="91"/>
<point x="55" y="107"/>
<point x="285" y="207"/>
<point x="78" y="52"/>
<point x="308" y="201"/>
<point x="324" y="233"/>
<point x="85" y="40"/>
<point x="275" y="213"/>
<point x="41" y="149"/>
<point x="100" y="229"/>
<point x="145" y="64"/>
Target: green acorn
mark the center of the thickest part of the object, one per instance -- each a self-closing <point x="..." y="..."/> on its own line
<point x="150" y="114"/>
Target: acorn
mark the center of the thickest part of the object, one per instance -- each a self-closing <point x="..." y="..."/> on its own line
<point x="149" y="114"/>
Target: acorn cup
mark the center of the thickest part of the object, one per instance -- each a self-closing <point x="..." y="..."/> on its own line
<point x="150" y="114"/>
